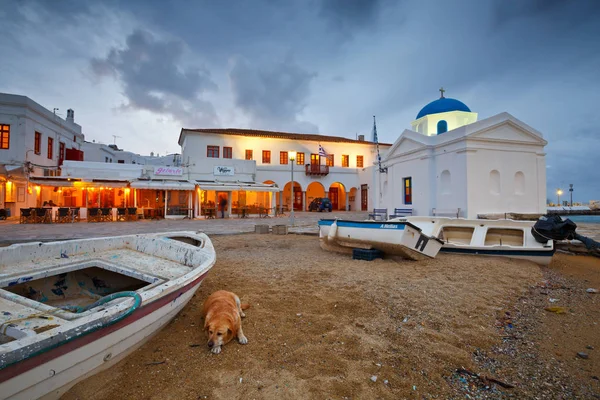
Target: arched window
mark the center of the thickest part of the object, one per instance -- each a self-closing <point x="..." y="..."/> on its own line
<point x="445" y="182"/>
<point x="519" y="183"/>
<point x="442" y="126"/>
<point x="495" y="182"/>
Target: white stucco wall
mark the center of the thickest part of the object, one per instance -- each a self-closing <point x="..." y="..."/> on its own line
<point x="194" y="150"/>
<point x="25" y="117"/>
<point x="468" y="155"/>
<point x="427" y="125"/>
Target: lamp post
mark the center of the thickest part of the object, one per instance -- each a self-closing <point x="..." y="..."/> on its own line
<point x="571" y="190"/>
<point x="292" y="157"/>
<point x="558" y="193"/>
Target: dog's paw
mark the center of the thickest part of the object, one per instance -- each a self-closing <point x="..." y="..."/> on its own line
<point x="243" y="339"/>
<point x="216" y="350"/>
<point x="242" y="314"/>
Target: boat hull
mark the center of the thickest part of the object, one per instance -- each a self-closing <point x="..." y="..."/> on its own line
<point x="55" y="372"/>
<point x="496" y="238"/>
<point x="51" y="371"/>
<point x="399" y="239"/>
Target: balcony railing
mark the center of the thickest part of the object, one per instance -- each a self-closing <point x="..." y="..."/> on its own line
<point x="321" y="170"/>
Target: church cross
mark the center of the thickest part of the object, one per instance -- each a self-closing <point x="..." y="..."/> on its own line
<point x="442" y="90"/>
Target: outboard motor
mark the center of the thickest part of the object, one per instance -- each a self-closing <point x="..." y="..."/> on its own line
<point x="552" y="227"/>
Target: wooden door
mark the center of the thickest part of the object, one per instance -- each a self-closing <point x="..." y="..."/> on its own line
<point x="333" y="197"/>
<point x="364" y="198"/>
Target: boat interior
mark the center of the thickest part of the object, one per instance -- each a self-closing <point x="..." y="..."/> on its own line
<point x="45" y="285"/>
<point x="462" y="232"/>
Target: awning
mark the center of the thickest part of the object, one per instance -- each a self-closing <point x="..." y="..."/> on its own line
<point x="232" y="186"/>
<point x="163" y="185"/>
<point x="51" y="181"/>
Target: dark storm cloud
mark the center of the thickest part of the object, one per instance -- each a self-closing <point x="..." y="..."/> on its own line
<point x="348" y="16"/>
<point x="273" y="94"/>
<point x="153" y="79"/>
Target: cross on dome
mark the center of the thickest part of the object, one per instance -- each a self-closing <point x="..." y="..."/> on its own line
<point x="442" y="90"/>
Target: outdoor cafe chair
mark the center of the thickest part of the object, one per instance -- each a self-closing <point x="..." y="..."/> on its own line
<point x="132" y="214"/>
<point x="26" y="216"/>
<point x="42" y="215"/>
<point x="63" y="215"/>
<point x="121" y="214"/>
<point x="93" y="214"/>
<point x="106" y="214"/>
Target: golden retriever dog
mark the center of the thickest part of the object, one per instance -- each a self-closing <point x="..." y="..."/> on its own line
<point x="223" y="319"/>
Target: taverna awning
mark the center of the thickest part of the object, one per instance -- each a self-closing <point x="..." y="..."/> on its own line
<point x="163" y="185"/>
<point x="237" y="186"/>
<point x="59" y="181"/>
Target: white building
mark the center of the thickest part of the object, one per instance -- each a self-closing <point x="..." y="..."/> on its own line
<point x="111" y="153"/>
<point x="450" y="163"/>
<point x="33" y="141"/>
<point x="219" y="160"/>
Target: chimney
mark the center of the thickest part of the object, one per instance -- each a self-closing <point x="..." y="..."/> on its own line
<point x="361" y="138"/>
<point x="70" y="116"/>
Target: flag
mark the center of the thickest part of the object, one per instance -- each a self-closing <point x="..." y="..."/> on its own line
<point x="322" y="151"/>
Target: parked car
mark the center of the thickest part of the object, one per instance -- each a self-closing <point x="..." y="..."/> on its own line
<point x="320" y="204"/>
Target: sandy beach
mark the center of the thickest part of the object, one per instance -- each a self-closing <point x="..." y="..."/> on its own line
<point x="322" y="325"/>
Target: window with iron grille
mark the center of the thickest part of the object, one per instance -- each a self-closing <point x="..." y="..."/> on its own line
<point x="212" y="151"/>
<point x="359" y="161"/>
<point x="345" y="160"/>
<point x="329" y="160"/>
<point x="37" y="146"/>
<point x="300" y="158"/>
<point x="266" y="156"/>
<point x="4" y="137"/>
<point x="248" y="154"/>
<point x="283" y="157"/>
<point x="50" y="148"/>
<point x="227" y="152"/>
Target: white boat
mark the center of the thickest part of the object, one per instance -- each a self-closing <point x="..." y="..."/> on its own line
<point x="392" y="238"/>
<point x="504" y="238"/>
<point x="70" y="309"/>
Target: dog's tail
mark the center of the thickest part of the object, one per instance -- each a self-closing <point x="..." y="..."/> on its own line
<point x="244" y="306"/>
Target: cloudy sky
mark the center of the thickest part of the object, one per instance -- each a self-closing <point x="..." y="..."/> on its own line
<point x="142" y="69"/>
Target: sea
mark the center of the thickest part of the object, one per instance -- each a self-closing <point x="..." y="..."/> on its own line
<point x="583" y="219"/>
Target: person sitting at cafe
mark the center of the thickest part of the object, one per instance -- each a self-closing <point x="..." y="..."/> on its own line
<point x="51" y="204"/>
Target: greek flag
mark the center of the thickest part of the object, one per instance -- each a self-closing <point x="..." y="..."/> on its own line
<point x="322" y="151"/>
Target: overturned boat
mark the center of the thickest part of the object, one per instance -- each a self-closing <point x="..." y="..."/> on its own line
<point x="70" y="309"/>
<point x="400" y="238"/>
<point x="504" y="238"/>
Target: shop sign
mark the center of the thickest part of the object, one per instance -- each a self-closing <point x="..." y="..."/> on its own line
<point x="223" y="171"/>
<point x="168" y="171"/>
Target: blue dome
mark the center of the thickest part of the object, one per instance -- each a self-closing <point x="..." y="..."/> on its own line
<point x="442" y="105"/>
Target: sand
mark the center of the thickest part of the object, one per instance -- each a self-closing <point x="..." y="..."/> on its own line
<point x="322" y="325"/>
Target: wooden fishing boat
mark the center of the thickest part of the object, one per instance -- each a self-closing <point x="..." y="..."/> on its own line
<point x="70" y="309"/>
<point x="392" y="238"/>
<point x="503" y="238"/>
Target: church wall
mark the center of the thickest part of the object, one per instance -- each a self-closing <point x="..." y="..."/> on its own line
<point x="449" y="184"/>
<point x="504" y="181"/>
<point x="418" y="167"/>
<point x="427" y="125"/>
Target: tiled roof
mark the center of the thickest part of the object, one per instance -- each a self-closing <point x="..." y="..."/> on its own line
<point x="279" y="135"/>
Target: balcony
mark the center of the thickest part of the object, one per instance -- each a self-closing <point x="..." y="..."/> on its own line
<point x="319" y="170"/>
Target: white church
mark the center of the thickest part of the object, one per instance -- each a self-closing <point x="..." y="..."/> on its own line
<point x="451" y="164"/>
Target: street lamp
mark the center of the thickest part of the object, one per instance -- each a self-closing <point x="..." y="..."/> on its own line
<point x="571" y="190"/>
<point x="292" y="157"/>
<point x="558" y="193"/>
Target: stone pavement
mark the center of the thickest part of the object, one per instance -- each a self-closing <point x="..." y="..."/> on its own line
<point x="305" y="222"/>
